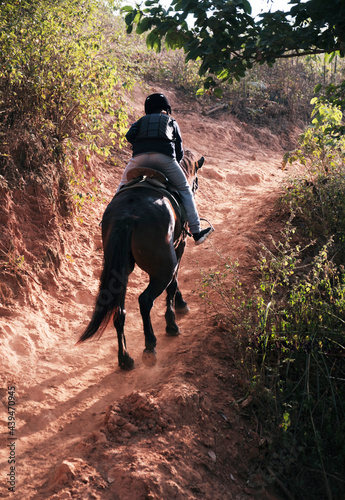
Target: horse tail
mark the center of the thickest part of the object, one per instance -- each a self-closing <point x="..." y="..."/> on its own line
<point x="114" y="278"/>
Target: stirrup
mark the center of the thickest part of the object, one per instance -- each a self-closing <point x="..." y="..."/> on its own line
<point x="209" y="223"/>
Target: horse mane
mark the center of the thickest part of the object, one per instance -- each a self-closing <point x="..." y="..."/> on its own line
<point x="188" y="161"/>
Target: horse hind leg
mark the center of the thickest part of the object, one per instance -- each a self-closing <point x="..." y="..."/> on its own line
<point x="171" y="327"/>
<point x="125" y="361"/>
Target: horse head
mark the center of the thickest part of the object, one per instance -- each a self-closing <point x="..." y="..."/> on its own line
<point x="190" y="166"/>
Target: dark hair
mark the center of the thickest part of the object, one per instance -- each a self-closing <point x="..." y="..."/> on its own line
<point x="154" y="103"/>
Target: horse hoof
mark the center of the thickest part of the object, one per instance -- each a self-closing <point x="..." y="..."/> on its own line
<point x="172" y="331"/>
<point x="127" y="363"/>
<point x="149" y="357"/>
<point x="182" y="311"/>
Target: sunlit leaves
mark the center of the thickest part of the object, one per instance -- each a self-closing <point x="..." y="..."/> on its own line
<point x="57" y="70"/>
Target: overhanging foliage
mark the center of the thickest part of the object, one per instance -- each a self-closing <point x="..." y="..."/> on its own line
<point x="228" y="40"/>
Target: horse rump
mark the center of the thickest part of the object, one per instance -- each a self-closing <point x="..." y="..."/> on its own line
<point x="114" y="277"/>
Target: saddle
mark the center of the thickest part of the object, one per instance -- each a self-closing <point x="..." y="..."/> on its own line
<point x="155" y="176"/>
<point x="140" y="177"/>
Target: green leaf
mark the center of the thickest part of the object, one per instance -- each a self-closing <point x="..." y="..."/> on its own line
<point x="144" y="25"/>
<point x="174" y="40"/>
<point x="127" y="8"/>
<point x="247" y="7"/>
<point x="153" y="41"/>
<point x="129" y="18"/>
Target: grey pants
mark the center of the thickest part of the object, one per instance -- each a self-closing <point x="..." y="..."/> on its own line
<point x="172" y="170"/>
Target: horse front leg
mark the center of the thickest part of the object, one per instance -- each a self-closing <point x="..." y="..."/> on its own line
<point x="171" y="327"/>
<point x="181" y="306"/>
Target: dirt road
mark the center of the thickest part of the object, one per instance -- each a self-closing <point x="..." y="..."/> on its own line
<point x="85" y="429"/>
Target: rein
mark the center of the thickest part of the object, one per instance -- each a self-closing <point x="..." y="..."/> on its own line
<point x="183" y="234"/>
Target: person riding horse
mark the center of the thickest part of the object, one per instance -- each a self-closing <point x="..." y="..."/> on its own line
<point x="156" y="141"/>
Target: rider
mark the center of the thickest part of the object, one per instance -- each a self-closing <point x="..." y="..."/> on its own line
<point x="156" y="141"/>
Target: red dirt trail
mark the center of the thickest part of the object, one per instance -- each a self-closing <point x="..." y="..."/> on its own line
<point x="85" y="429"/>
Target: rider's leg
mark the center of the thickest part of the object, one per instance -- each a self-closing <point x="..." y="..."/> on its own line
<point x="172" y="170"/>
<point x="177" y="177"/>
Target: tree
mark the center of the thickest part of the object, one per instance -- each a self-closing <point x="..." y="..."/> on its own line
<point x="224" y="36"/>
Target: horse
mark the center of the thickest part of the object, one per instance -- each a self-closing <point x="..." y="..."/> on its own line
<point x="141" y="227"/>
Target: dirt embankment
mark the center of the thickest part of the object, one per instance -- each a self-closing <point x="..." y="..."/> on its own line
<point x="85" y="429"/>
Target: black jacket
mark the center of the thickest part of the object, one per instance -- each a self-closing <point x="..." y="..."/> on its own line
<point x="146" y="144"/>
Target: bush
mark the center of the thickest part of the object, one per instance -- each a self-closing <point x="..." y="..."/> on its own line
<point x="293" y="323"/>
<point x="59" y="82"/>
<point x="299" y="346"/>
<point x="318" y="197"/>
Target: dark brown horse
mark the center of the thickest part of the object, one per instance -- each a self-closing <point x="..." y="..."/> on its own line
<point x="140" y="226"/>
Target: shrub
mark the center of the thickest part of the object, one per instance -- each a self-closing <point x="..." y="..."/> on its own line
<point x="318" y="196"/>
<point x="294" y="322"/>
<point x="59" y="80"/>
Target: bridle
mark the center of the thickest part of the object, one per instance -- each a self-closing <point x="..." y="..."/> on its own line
<point x="195" y="184"/>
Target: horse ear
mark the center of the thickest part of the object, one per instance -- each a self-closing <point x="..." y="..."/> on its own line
<point x="200" y="163"/>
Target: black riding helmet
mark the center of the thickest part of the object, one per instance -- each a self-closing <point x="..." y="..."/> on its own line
<point x="155" y="103"/>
